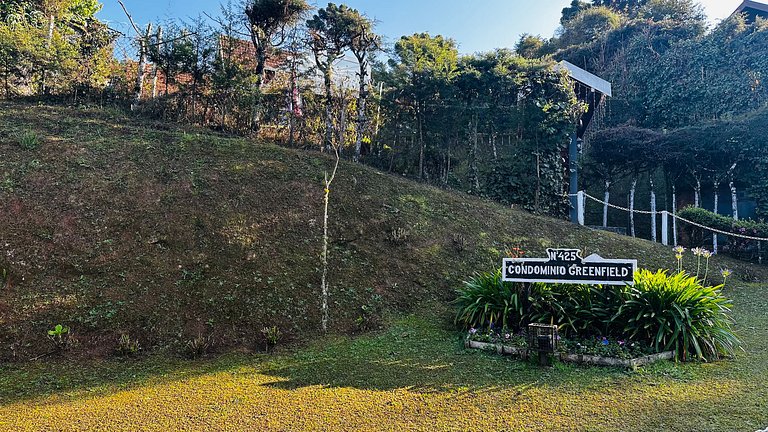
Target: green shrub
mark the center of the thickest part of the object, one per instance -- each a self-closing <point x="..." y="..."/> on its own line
<point x="127" y="346"/>
<point x="736" y="247"/>
<point x="577" y="309"/>
<point x="724" y="223"/>
<point x="198" y="347"/>
<point x="28" y="140"/>
<point x="271" y="336"/>
<point x="486" y="300"/>
<point x="675" y="312"/>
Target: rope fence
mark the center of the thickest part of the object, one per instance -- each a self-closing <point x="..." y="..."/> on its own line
<point x="581" y="200"/>
<point x="645" y="212"/>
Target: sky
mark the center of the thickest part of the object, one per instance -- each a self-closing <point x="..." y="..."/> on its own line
<point x="481" y="25"/>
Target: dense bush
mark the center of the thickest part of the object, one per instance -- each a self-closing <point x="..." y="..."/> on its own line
<point x="676" y="312"/>
<point x="485" y="300"/>
<point x="737" y="247"/>
<point x="578" y="309"/>
<point x="723" y="223"/>
<point x="663" y="311"/>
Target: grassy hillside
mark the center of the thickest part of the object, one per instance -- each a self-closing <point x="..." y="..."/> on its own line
<point x="111" y="225"/>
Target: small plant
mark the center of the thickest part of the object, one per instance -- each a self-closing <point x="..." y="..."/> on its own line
<point x="459" y="242"/>
<point x="59" y="336"/>
<point x="127" y="347"/>
<point x="369" y="317"/>
<point x="198" y="347"/>
<point x="5" y="278"/>
<point x="271" y="336"/>
<point x="398" y="235"/>
<point x="725" y="273"/>
<point x="29" y="140"/>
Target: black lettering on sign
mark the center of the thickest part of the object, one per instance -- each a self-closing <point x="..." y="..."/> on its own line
<point x="567" y="266"/>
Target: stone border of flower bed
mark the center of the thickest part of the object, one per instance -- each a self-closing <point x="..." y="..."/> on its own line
<point x="575" y="358"/>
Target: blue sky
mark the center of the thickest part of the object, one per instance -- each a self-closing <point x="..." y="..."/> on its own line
<point x="480" y="25"/>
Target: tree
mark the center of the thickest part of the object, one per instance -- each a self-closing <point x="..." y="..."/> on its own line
<point x="589" y="25"/>
<point x="422" y="67"/>
<point x="529" y="46"/>
<point x="636" y="147"/>
<point x="364" y="44"/>
<point x="574" y="9"/>
<point x="331" y="31"/>
<point x="268" y="21"/>
<point x="629" y="7"/>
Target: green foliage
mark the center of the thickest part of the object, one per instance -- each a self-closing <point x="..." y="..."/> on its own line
<point x="588" y="26"/>
<point x="60" y="336"/>
<point x="577" y="309"/>
<point x="739" y="248"/>
<point x="198" y="347"/>
<point x="271" y="336"/>
<point x="28" y="140"/>
<point x="666" y="312"/>
<point x="127" y="346"/>
<point x="675" y="312"/>
<point x="604" y="347"/>
<point x="723" y="223"/>
<point x="485" y="300"/>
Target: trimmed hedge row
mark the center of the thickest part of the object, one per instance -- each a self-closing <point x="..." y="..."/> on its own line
<point x="724" y="223"/>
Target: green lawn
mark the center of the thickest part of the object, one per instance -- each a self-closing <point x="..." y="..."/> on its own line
<point x="416" y="375"/>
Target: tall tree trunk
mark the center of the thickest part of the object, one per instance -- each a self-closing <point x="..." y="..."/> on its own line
<point x="653" y="212"/>
<point x="328" y="82"/>
<point x="421" y="141"/>
<point x="493" y="146"/>
<point x="342" y="124"/>
<point x="697" y="194"/>
<point x="715" y="187"/>
<point x="475" y="174"/>
<point x="734" y="201"/>
<point x="632" y="207"/>
<point x="48" y="44"/>
<point x="606" y="199"/>
<point x="140" y="72"/>
<point x="155" y="69"/>
<point x="674" y="211"/>
<point x="362" y="99"/>
<point x="324" y="254"/>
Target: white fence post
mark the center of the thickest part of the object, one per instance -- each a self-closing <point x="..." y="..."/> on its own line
<point x="580" y="199"/>
<point x="665" y="228"/>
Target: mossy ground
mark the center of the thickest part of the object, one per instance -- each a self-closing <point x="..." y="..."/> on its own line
<point x="415" y="375"/>
<point x="111" y="224"/>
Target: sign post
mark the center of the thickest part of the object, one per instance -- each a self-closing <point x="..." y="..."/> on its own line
<point x="568" y="267"/>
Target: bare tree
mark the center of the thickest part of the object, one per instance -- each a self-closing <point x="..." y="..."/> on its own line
<point x="142" y="39"/>
<point x="324" y="255"/>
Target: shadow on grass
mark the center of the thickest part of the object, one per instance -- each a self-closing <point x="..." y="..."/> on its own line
<point x="412" y="354"/>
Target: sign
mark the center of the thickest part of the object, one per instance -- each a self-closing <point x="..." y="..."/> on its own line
<point x="567" y="266"/>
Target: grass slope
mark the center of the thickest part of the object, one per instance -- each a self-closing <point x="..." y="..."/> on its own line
<point x="414" y="376"/>
<point x="111" y="225"/>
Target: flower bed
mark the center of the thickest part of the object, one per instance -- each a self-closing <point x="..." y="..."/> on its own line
<point x="582" y="358"/>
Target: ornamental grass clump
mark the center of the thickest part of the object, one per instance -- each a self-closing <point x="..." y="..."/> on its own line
<point x="485" y="300"/>
<point x="577" y="309"/>
<point x="676" y="312"/>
